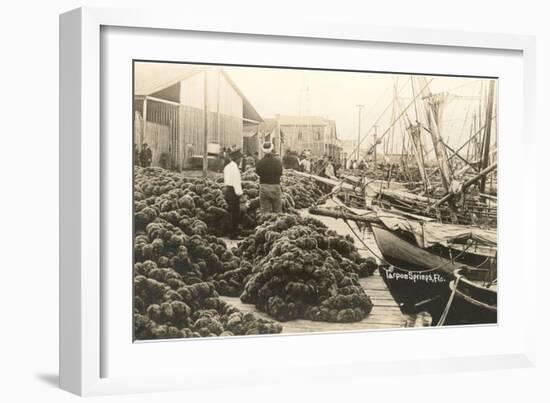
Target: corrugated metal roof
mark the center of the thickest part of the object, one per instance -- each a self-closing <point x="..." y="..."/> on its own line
<point x="153" y="77"/>
<point x="150" y="78"/>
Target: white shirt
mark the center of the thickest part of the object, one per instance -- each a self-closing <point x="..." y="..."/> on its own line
<point x="306" y="165"/>
<point x="232" y="177"/>
<point x="329" y="170"/>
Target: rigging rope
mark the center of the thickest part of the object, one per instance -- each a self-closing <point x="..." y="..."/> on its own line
<point x="381" y="259"/>
<point x="391" y="124"/>
<point x="443" y="317"/>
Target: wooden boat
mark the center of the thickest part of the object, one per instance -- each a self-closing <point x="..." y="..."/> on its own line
<point x="474" y="299"/>
<point x="422" y="280"/>
<point x="469" y="211"/>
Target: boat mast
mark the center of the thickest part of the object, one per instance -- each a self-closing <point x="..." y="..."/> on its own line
<point x="473" y="127"/>
<point x="432" y="107"/>
<point x="487" y="135"/>
<point x="415" y="131"/>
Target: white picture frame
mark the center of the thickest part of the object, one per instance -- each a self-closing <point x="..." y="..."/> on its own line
<point x="82" y="305"/>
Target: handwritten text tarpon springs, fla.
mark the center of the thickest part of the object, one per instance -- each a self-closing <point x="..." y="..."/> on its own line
<point x="415" y="276"/>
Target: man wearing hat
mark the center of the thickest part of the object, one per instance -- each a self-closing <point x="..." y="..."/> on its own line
<point x="146" y="156"/>
<point x="233" y="191"/>
<point x="270" y="169"/>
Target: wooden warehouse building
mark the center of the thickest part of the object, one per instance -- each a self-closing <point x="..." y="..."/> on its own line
<point x="297" y="133"/>
<point x="255" y="136"/>
<point x="315" y="133"/>
<point x="169" y="104"/>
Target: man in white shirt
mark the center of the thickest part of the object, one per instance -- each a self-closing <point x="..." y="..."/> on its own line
<point x="305" y="164"/>
<point x="233" y="191"/>
<point x="329" y="169"/>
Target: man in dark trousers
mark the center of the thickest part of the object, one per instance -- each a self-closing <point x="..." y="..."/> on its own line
<point x="136" y="155"/>
<point x="270" y="169"/>
<point x="233" y="191"/>
<point x="146" y="156"/>
<point x="291" y="161"/>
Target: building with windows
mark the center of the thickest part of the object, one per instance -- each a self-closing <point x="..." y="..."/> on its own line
<point x="314" y="133"/>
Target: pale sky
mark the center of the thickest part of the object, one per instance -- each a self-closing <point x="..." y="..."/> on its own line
<point x="334" y="95"/>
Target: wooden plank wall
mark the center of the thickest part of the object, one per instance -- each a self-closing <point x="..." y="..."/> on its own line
<point x="227" y="130"/>
<point x="157" y="137"/>
<point x="179" y="130"/>
<point x="161" y="132"/>
<point x="191" y="130"/>
<point x="308" y="139"/>
<point x="170" y="133"/>
<point x="319" y="139"/>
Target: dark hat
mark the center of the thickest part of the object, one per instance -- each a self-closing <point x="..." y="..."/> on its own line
<point x="235" y="154"/>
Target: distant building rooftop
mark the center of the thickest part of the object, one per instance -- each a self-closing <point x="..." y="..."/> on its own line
<point x="286" y="120"/>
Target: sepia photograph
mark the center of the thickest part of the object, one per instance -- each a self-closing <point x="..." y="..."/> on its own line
<point x="271" y="200"/>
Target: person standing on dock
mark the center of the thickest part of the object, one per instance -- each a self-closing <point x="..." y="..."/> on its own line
<point x="291" y="161"/>
<point x="146" y="156"/>
<point x="233" y="191"/>
<point x="136" y="154"/>
<point x="329" y="169"/>
<point x="249" y="161"/>
<point x="305" y="164"/>
<point x="337" y="167"/>
<point x="270" y="169"/>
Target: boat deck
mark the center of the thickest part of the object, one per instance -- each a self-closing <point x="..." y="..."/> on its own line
<point x="385" y="313"/>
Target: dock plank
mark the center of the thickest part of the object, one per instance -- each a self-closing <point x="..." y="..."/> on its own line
<point x="384" y="315"/>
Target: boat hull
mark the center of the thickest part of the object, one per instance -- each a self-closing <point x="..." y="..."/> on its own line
<point x="472" y="303"/>
<point x="419" y="281"/>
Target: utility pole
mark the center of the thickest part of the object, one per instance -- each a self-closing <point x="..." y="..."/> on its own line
<point x="359" y="107"/>
<point x="205" y="145"/>
<point x="218" y="120"/>
<point x="144" y="129"/>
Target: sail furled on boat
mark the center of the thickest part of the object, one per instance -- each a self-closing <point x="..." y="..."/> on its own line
<point x="429" y="233"/>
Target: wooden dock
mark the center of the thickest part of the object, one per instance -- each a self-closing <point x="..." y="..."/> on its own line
<point x="385" y="313"/>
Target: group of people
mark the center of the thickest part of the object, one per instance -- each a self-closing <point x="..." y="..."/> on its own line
<point x="248" y="160"/>
<point x="326" y="166"/>
<point x="143" y="157"/>
<point x="269" y="170"/>
<point x="354" y="164"/>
